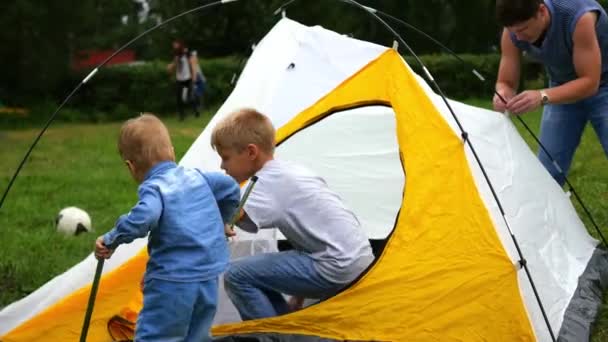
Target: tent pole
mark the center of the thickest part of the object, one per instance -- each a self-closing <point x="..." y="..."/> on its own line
<point x="89" y="313"/>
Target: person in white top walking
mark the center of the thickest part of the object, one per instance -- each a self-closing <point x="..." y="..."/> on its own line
<point x="330" y="247"/>
<point x="184" y="69"/>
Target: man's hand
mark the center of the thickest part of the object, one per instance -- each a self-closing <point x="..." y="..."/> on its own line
<point x="524" y="102"/>
<point x="295" y="303"/>
<point x="498" y="103"/>
<point x="101" y="251"/>
<point x="229" y="231"/>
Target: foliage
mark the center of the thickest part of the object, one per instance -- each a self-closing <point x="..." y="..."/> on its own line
<point x="117" y="92"/>
<point x="39" y="37"/>
<point x="43" y="36"/>
<point x="120" y="91"/>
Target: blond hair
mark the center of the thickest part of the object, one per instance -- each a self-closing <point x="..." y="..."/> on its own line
<point x="243" y="127"/>
<point x="145" y="141"/>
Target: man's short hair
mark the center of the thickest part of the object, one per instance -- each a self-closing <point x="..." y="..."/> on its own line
<point x="511" y="12"/>
<point x="243" y="127"/>
<point x="145" y="141"/>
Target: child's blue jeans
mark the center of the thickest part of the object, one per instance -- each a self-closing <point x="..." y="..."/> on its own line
<point x="177" y="311"/>
<point x="562" y="126"/>
<point x="256" y="284"/>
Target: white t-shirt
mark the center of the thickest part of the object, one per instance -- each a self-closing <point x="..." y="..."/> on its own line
<point x="182" y="69"/>
<point x="312" y="217"/>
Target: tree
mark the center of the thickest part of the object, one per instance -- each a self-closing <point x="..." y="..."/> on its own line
<point x="40" y="38"/>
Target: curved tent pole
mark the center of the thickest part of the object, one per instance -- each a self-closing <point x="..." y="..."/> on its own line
<point x="90" y="75"/>
<point x="283" y="6"/>
<point x="482" y="79"/>
<point x="522" y="262"/>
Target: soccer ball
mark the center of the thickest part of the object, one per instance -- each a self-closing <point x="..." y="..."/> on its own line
<point x="73" y="221"/>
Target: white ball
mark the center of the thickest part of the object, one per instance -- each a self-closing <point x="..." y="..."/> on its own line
<point x="73" y="221"/>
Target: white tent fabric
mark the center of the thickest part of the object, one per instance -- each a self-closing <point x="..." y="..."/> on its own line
<point x="369" y="176"/>
<point x="293" y="67"/>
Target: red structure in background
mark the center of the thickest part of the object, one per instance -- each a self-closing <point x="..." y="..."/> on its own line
<point x="92" y="58"/>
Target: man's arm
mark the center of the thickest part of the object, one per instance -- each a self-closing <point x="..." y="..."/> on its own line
<point x="587" y="61"/>
<point x="508" y="71"/>
<point x="138" y="222"/>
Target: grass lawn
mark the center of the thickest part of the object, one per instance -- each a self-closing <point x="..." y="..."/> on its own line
<point x="78" y="165"/>
<point x="73" y="165"/>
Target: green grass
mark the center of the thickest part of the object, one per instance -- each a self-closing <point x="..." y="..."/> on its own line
<point x="77" y="165"/>
<point x="73" y="165"/>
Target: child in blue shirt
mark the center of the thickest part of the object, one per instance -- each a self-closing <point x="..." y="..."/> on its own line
<point x="184" y="211"/>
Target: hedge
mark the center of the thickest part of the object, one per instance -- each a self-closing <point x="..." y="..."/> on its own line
<point x="118" y="92"/>
<point x="457" y="81"/>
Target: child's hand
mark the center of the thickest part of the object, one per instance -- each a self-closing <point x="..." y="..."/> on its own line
<point x="229" y="231"/>
<point x="101" y="250"/>
<point x="295" y="303"/>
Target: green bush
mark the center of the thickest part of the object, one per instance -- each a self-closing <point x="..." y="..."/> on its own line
<point x="118" y="92"/>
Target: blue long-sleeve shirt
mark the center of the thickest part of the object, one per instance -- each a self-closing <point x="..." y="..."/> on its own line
<point x="184" y="211"/>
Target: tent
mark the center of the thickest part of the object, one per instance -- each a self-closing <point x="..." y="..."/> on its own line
<point x="355" y="113"/>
